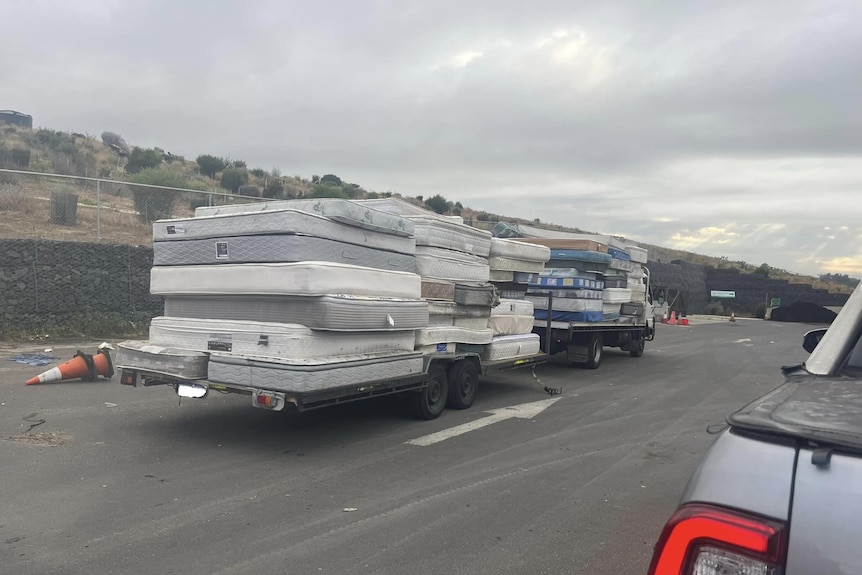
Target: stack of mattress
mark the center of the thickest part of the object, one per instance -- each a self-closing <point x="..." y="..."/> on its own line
<point x="636" y="279"/>
<point x="514" y="265"/>
<point x="292" y="296"/>
<point x="452" y="261"/>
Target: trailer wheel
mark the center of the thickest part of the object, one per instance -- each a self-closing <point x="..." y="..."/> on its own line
<point x="430" y="401"/>
<point x="463" y="384"/>
<point x="594" y="352"/>
<point x="639" y="350"/>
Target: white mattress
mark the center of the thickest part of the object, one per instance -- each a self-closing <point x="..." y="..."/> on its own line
<point x="289" y="341"/>
<point x="522" y="251"/>
<point x="439" y="233"/>
<point x="574" y="293"/>
<point x="146" y="356"/>
<point x="298" y="278"/>
<point x="511" y="324"/>
<point x="330" y="312"/>
<point x="513" y="307"/>
<point x="567" y="304"/>
<point x="637" y="254"/>
<point x="471" y="322"/>
<point x="449" y="265"/>
<point x="441" y="319"/>
<point x="339" y="210"/>
<point x="617" y="264"/>
<point x="436" y="348"/>
<point x="279" y="222"/>
<point x="313" y="375"/>
<point x="515" y="265"/>
<point x="501" y="276"/>
<point x="435" y="335"/>
<point x="611" y="308"/>
<point x="276" y="248"/>
<point x="512" y="346"/>
<point x="616" y="295"/>
<point x="637" y="273"/>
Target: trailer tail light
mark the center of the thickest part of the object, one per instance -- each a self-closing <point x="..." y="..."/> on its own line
<point x="707" y="540"/>
<point x="268" y="400"/>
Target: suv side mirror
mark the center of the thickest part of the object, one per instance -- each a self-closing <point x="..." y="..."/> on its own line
<point x="812" y="338"/>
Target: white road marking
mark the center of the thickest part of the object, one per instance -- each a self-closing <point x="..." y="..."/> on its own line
<point x="743" y="340"/>
<point x="522" y="411"/>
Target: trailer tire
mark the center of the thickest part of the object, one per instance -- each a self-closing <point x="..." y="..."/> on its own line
<point x="639" y="350"/>
<point x="430" y="401"/>
<point x="594" y="352"/>
<point x="463" y="384"/>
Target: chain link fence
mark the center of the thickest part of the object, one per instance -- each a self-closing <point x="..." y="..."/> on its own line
<point x="36" y="205"/>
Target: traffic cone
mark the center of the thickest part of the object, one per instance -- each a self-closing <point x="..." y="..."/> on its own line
<point x="82" y="366"/>
<point x="733" y="317"/>
<point x="672" y="320"/>
<point x="684" y="321"/>
<point x="664" y="317"/>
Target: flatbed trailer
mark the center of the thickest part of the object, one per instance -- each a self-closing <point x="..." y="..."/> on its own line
<point x="450" y="379"/>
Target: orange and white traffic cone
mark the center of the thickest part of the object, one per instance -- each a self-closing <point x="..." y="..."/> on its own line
<point x="732" y="317"/>
<point x="82" y="366"/>
<point x="672" y="320"/>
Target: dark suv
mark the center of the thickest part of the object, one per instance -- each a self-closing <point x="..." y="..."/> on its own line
<point x="780" y="490"/>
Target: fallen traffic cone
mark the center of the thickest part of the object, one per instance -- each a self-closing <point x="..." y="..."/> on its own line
<point x="672" y="320"/>
<point x="732" y="317"/>
<point x="82" y="366"/>
<point x="684" y="321"/>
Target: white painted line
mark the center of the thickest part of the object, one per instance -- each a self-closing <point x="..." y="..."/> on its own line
<point x="747" y="339"/>
<point x="522" y="411"/>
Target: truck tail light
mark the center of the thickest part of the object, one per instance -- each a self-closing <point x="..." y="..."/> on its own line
<point x="705" y="540"/>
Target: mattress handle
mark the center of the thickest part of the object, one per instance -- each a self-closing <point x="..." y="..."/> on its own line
<point x="263" y="340"/>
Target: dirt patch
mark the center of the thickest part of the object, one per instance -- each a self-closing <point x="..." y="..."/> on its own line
<point x="51" y="439"/>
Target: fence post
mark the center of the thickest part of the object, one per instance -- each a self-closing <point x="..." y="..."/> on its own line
<point x="98" y="210"/>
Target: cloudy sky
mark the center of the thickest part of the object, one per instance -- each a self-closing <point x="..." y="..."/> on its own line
<point x="721" y="127"/>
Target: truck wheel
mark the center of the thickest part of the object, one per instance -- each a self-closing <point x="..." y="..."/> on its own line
<point x="463" y="384"/>
<point x="639" y="350"/>
<point x="429" y="402"/>
<point x="594" y="352"/>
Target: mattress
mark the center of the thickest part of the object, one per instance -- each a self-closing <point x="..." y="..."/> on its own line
<point x="438" y="233"/>
<point x="512" y="346"/>
<point x="568" y="282"/>
<point x="515" y="265"/>
<point x="587" y="269"/>
<point x="436" y="348"/>
<point x="485" y="295"/>
<point x="581" y="256"/>
<point x="457" y="310"/>
<point x="626" y="266"/>
<point x="616" y="295"/>
<point x="616" y="282"/>
<point x="313" y="375"/>
<point x="501" y="276"/>
<point x="432" y="289"/>
<point x="510" y="249"/>
<point x="335" y="209"/>
<point x="478" y="323"/>
<point x="610" y="241"/>
<point x="146" y="356"/>
<point x="619" y="254"/>
<point x="610" y="316"/>
<point x="276" y="249"/>
<point x="272" y="339"/>
<point x="570" y="316"/>
<point x="511" y="324"/>
<point x="638" y="273"/>
<point x="513" y="307"/>
<point x="441" y="319"/>
<point x="512" y="294"/>
<point x="637" y="254"/>
<point x="435" y="335"/>
<point x="570" y="293"/>
<point x="449" y="265"/>
<point x="525" y="278"/>
<point x="566" y="243"/>
<point x="611" y="308"/>
<point x="632" y="308"/>
<point x="279" y="222"/>
<point x="330" y="312"/>
<point x="566" y="304"/>
<point x="298" y="278"/>
<point x="571" y="271"/>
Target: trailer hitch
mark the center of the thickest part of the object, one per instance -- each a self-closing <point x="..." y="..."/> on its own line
<point x="552" y="391"/>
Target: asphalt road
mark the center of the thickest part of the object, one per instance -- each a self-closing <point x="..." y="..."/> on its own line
<point x="103" y="478"/>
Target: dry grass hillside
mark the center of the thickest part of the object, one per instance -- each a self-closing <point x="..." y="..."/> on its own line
<point x="25" y="200"/>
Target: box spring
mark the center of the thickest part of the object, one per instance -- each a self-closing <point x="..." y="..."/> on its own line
<point x="146" y="356"/>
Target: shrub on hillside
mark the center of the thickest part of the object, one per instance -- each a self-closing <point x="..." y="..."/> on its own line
<point x="249" y="190"/>
<point x="210" y="165"/>
<point x="438" y="204"/>
<point x="326" y="191"/>
<point x="232" y="178"/>
<point x="155" y="203"/>
<point x="143" y="159"/>
<point x="258" y="173"/>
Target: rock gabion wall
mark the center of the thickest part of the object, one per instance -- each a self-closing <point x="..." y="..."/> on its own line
<point x="47" y="284"/>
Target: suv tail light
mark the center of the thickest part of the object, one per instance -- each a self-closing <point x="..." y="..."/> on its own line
<point x="705" y="540"/>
